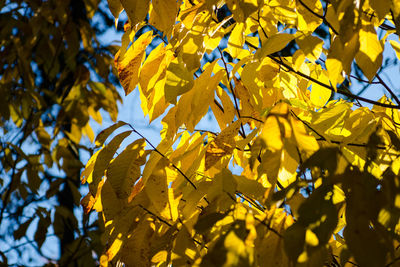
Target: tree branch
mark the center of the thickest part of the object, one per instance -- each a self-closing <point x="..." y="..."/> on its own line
<point x="242" y="132"/>
<point x="388" y="89"/>
<point x="332" y="89"/>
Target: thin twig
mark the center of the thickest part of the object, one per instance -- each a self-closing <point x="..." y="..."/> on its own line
<point x="158" y="218"/>
<point x="322" y="138"/>
<point x="242" y="132"/>
<point x="162" y="155"/>
<point x="332" y="89"/>
<point x="251" y="201"/>
<point x="362" y="80"/>
<point x="323" y="17"/>
<point x="388" y="89"/>
<point x="269" y="227"/>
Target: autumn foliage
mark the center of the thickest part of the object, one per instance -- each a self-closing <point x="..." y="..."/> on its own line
<point x="296" y="175"/>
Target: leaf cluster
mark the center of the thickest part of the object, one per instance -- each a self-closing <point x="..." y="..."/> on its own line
<point x="295" y="177"/>
<point x="56" y="76"/>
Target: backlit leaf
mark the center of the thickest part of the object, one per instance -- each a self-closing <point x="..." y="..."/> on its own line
<point x="129" y="62"/>
<point x="274" y="44"/>
<point x="222" y="145"/>
<point x="178" y="80"/>
<point x="163" y="14"/>
<point x="124" y="170"/>
<point x="369" y="57"/>
<point x="236" y="40"/>
<point x="103" y="159"/>
<point x="136" y="10"/>
<point x="103" y="135"/>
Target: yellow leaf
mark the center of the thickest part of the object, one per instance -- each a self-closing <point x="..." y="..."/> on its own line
<point x="338" y="195"/>
<point x="104" y="134"/>
<point x="289" y="164"/>
<point x="320" y="94"/>
<point x="381" y="7"/>
<point x="152" y="69"/>
<point x="340" y="58"/>
<point x="104" y="158"/>
<point x="115" y="7"/>
<point x="304" y="141"/>
<point x="242" y="9"/>
<point x="219" y="114"/>
<point x="307" y="20"/>
<point x="274" y="44"/>
<point x="162" y="197"/>
<point x="222" y="145"/>
<point x="332" y="18"/>
<point x="87" y="130"/>
<point x="269" y="248"/>
<point x="311" y="46"/>
<point x="86" y="175"/>
<point x="188" y="15"/>
<point x="246" y="100"/>
<point x="193" y="105"/>
<point x="87" y="203"/>
<point x="236" y="40"/>
<point x="136" y="10"/>
<point x="163" y="14"/>
<point x="298" y="59"/>
<point x="250" y="188"/>
<point x="396" y="47"/>
<point x="124" y="170"/>
<point x="229" y="109"/>
<point x="311" y="238"/>
<point x="333" y="117"/>
<point x="178" y="80"/>
<point x="273" y="133"/>
<point x="152" y="82"/>
<point x="111" y="205"/>
<point x="128" y="64"/>
<point x="136" y="249"/>
<point x="103" y="261"/>
<point x="191" y="47"/>
<point x="369" y="57"/>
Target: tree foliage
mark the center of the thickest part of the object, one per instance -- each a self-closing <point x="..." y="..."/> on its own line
<point x="55" y="77"/>
<point x="295" y="176"/>
<point x="302" y="171"/>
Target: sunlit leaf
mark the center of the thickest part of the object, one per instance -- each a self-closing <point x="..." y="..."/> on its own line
<point x="369" y="57"/>
<point x="136" y="10"/>
<point x="222" y="145"/>
<point x="128" y="62"/>
<point x="274" y="44"/>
